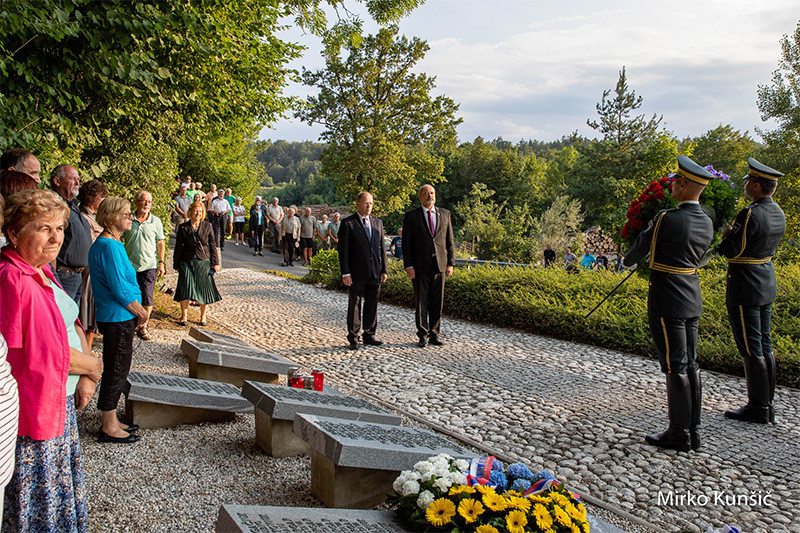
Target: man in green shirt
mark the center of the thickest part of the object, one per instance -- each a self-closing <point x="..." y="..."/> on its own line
<point x="144" y="243"/>
<point x="231" y="200"/>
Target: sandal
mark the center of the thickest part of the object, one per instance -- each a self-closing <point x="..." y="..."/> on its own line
<point x="144" y="334"/>
<point x="203" y="322"/>
<point x="182" y="323"/>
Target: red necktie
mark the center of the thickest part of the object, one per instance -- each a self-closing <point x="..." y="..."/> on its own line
<point x="430" y="224"/>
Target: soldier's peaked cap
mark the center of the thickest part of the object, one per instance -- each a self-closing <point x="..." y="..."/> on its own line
<point x="760" y="170"/>
<point x="692" y="171"/>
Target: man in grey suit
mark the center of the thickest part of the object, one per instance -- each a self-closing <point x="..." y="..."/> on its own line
<point x="428" y="254"/>
<point x="362" y="260"/>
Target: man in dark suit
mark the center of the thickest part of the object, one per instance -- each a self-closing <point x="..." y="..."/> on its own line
<point x="428" y="254"/>
<point x="749" y="244"/>
<point x="676" y="240"/>
<point x="362" y="260"/>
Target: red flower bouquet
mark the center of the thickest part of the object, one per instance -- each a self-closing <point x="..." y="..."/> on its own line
<point x="642" y="210"/>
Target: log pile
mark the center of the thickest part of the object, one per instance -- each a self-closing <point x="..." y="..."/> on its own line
<point x="596" y="241"/>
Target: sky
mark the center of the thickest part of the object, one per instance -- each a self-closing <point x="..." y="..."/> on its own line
<point x="534" y="69"/>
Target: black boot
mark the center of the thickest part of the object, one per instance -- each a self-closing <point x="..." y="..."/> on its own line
<point x="679" y="400"/>
<point x="757" y="407"/>
<point x="769" y="358"/>
<point x="696" y="388"/>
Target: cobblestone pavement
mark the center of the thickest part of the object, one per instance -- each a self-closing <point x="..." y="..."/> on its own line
<point x="576" y="410"/>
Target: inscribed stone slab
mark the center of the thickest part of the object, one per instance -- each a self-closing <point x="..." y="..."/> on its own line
<point x="216" y="338"/>
<point x="230" y="356"/>
<point x="283" y="403"/>
<point x="369" y="445"/>
<point x="255" y="519"/>
<point x="185" y="392"/>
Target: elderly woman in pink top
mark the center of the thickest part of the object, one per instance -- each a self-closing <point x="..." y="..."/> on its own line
<point x="52" y="364"/>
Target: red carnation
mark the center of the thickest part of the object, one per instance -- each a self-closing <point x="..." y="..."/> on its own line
<point x="636" y="223"/>
<point x="660" y="195"/>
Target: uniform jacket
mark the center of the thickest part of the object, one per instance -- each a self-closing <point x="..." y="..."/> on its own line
<point x="749" y="246"/>
<point x="188" y="243"/>
<point x="420" y="249"/>
<point x="676" y="240"/>
<point x="361" y="258"/>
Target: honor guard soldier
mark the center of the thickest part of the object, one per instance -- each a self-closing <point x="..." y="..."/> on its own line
<point x="749" y="244"/>
<point x="676" y="240"/>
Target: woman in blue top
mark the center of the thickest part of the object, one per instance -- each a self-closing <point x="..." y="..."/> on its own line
<point x="118" y="311"/>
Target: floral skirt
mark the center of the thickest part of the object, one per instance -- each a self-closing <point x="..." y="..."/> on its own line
<point x="47" y="491"/>
<point x="195" y="282"/>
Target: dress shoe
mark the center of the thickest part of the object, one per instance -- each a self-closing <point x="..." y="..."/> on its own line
<point x="353" y="345"/>
<point x="104" y="437"/>
<point x="435" y="341"/>
<point x="748" y="413"/>
<point x="372" y="341"/>
<point x="422" y="343"/>
<point x="131" y="428"/>
<point x="672" y="438"/>
<point x="694" y="439"/>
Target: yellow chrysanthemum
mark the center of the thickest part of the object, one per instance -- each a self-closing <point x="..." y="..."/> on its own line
<point x="516" y="521"/>
<point x="514" y="493"/>
<point x="486" y="528"/>
<point x="440" y="512"/>
<point x="580" y="507"/>
<point x="484" y="489"/>
<point x="459" y="489"/>
<point x="470" y="509"/>
<point x="523" y="504"/>
<point x="561" y="516"/>
<point x="542" y="516"/>
<point x="573" y="512"/>
<point x="585" y="526"/>
<point x="538" y="498"/>
<point x="573" y="528"/>
<point x="560" y="499"/>
<point x="494" y="501"/>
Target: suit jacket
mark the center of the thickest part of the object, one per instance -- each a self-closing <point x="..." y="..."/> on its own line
<point x="749" y="246"/>
<point x="254" y="226"/>
<point x="188" y="243"/>
<point x="676" y="240"/>
<point x="420" y="249"/>
<point x="361" y="258"/>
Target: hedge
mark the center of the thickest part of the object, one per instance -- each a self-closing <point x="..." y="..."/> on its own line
<point x="553" y="303"/>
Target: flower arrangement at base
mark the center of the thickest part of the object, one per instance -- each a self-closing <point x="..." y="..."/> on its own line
<point x="442" y="494"/>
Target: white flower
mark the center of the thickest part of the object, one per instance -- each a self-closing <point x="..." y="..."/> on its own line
<point x="399" y="482"/>
<point x="426" y="476"/>
<point x="423" y="467"/>
<point x="409" y="487"/>
<point x="444" y="456"/>
<point x="425" y="499"/>
<point x="458" y="478"/>
<point x="441" y="472"/>
<point x="443" y="483"/>
<point x="413" y="476"/>
<point x="462" y="465"/>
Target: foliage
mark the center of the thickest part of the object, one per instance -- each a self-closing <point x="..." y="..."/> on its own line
<point x="559" y="226"/>
<point x="553" y="302"/>
<point x="725" y="148"/>
<point x="780" y="101"/>
<point x="382" y="125"/>
<point x="290" y="161"/>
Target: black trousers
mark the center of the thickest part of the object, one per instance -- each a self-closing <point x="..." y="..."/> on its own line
<point x="275" y="234"/>
<point x="428" y="297"/>
<point x="220" y="223"/>
<point x="258" y="238"/>
<point x="117" y="356"/>
<point x="363" y="294"/>
<point x="751" y="329"/>
<point x="289" y="250"/>
<point x="676" y="343"/>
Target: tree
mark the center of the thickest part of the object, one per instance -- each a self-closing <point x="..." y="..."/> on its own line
<point x="382" y="125"/>
<point x="559" y="226"/>
<point x="780" y="101"/>
<point x="619" y="128"/>
<point x="725" y="148"/>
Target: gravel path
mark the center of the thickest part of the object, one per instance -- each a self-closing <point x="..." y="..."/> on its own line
<point x="576" y="410"/>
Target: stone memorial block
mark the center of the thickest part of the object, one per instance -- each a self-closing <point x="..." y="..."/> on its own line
<point x="256" y="519"/>
<point x="354" y="463"/>
<point x="160" y="400"/>
<point x="211" y="337"/>
<point x="276" y="406"/>
<point x="233" y="364"/>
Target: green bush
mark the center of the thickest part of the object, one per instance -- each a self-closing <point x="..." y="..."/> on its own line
<point x="552" y="302"/>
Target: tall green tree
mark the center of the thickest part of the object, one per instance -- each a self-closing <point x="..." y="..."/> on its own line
<point x="382" y="125"/>
<point x="726" y="148"/>
<point x="780" y="101"/>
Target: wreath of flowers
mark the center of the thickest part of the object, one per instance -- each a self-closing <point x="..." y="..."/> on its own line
<point x="442" y="494"/>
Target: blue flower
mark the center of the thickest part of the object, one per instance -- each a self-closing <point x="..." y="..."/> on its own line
<point x="498" y="479"/>
<point x="542" y="474"/>
<point x="497" y="465"/>
<point x="521" y="485"/>
<point x="519" y="470"/>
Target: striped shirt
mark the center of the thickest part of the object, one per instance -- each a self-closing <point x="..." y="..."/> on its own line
<point x="9" y="416"/>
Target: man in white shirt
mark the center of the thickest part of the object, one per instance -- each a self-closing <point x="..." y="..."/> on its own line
<point x="219" y="217"/>
<point x="275" y="215"/>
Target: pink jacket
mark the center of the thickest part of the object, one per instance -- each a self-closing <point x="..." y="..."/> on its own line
<point x="38" y="347"/>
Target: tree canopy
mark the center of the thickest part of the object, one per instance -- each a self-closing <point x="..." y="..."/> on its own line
<point x="382" y="124"/>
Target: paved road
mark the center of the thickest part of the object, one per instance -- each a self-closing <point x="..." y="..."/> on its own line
<point x="577" y="410"/>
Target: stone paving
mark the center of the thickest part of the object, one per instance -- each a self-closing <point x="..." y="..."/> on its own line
<point x="576" y="410"/>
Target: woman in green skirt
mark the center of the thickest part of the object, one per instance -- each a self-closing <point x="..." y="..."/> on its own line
<point x="196" y="260"/>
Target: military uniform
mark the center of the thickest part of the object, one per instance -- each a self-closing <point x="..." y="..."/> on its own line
<point x="749" y="244"/>
<point x="676" y="241"/>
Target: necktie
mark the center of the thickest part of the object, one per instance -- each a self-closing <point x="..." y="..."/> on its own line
<point x="430" y="224"/>
<point x="367" y="228"/>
